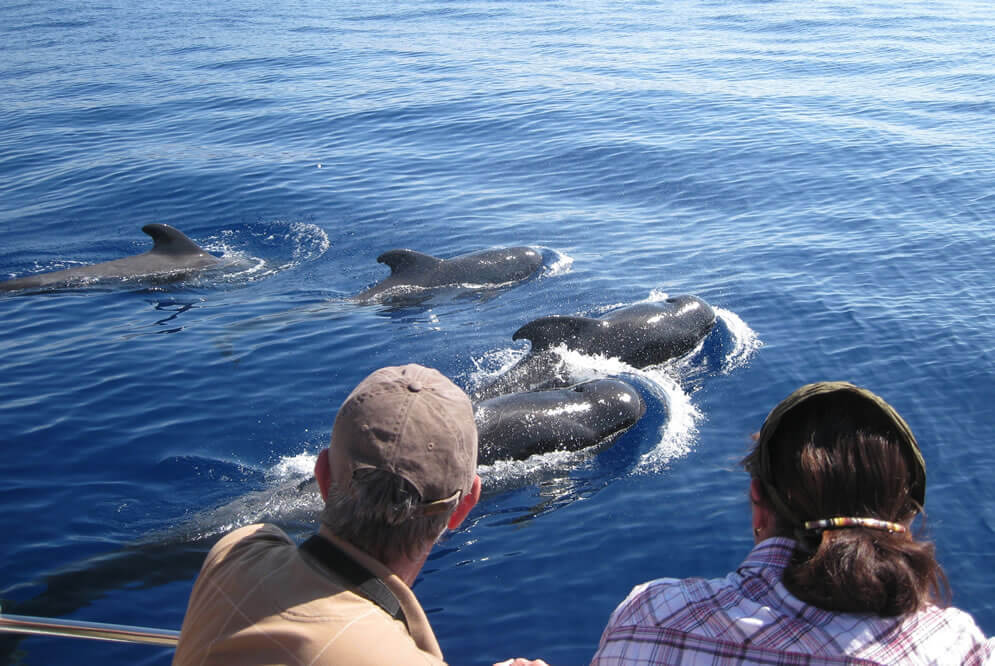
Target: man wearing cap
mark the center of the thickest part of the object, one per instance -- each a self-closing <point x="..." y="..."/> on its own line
<point x="399" y="470"/>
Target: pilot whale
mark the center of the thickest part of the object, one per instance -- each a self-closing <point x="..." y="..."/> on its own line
<point x="489" y="268"/>
<point x="172" y="257"/>
<point x="518" y="425"/>
<point x="640" y="335"/>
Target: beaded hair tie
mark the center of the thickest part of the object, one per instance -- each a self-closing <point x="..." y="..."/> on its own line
<point x="841" y="521"/>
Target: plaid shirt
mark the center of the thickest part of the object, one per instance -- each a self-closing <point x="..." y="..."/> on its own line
<point x="749" y="617"/>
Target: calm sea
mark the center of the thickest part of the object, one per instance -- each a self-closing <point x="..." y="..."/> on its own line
<point x="821" y="173"/>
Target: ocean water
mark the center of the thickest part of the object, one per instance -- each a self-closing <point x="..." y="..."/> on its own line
<point x="821" y="174"/>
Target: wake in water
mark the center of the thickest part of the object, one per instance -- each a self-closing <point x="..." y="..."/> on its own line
<point x="290" y="498"/>
<point x="259" y="251"/>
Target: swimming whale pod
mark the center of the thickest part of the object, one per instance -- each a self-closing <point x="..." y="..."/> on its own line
<point x="640" y="335"/>
<point x="488" y="268"/>
<point x="172" y="257"/>
<point x="518" y="425"/>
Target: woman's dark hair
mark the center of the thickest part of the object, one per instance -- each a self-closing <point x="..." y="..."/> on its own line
<point x="838" y="453"/>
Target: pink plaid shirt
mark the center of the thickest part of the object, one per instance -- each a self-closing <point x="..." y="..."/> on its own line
<point x="749" y="617"/>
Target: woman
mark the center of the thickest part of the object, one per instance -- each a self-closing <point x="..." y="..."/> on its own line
<point x="836" y="575"/>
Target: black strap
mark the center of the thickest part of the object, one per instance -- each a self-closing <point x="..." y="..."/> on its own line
<point x="336" y="561"/>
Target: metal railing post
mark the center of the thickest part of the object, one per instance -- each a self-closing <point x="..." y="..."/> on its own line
<point x="23" y="624"/>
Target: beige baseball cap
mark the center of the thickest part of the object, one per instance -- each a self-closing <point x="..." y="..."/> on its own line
<point x="411" y="421"/>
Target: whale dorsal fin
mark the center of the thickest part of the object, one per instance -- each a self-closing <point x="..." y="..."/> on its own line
<point x="169" y="240"/>
<point x="403" y="261"/>
<point x="547" y="332"/>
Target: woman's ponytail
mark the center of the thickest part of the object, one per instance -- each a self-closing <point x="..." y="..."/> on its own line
<point x="867" y="570"/>
<point x="845" y="478"/>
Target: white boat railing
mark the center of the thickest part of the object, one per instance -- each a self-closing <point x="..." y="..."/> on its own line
<point x="24" y="624"/>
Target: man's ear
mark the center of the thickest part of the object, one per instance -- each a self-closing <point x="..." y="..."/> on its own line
<point x="467" y="502"/>
<point x="757" y="492"/>
<point x="322" y="474"/>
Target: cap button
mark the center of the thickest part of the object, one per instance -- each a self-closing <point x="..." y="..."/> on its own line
<point x="414" y="387"/>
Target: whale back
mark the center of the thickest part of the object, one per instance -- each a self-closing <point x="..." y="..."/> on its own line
<point x="495" y="266"/>
<point x="640" y="335"/>
<point x="518" y="425"/>
<point x="488" y="268"/>
<point x="172" y="257"/>
<point x="547" y="332"/>
<point x="650" y="333"/>
<point x="408" y="262"/>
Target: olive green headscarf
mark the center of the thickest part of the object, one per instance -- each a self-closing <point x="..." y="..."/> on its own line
<point x="764" y="470"/>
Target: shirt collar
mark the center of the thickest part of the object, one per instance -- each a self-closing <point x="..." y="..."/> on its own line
<point x="773" y="553"/>
<point x="418" y="625"/>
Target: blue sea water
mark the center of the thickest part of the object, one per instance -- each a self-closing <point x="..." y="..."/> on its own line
<point x="821" y="173"/>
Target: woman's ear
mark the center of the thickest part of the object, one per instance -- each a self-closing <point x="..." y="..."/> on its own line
<point x="764" y="519"/>
<point x="467" y="502"/>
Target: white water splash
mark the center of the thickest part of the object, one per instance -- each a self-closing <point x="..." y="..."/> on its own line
<point x="296" y="467"/>
<point x="656" y="296"/>
<point x="493" y="364"/>
<point x="287" y="497"/>
<point x="560" y="263"/>
<point x="295" y="243"/>
<point x="745" y="340"/>
<point x="679" y="428"/>
<point x="309" y="241"/>
<point x="510" y="473"/>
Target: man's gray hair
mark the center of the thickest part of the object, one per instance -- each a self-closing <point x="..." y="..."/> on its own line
<point x="379" y="516"/>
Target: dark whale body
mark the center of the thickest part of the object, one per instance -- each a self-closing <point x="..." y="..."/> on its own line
<point x="489" y="268"/>
<point x="172" y="257"/>
<point x="640" y="335"/>
<point x="518" y="425"/>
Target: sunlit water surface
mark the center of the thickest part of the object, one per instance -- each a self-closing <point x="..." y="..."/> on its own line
<point x="823" y="176"/>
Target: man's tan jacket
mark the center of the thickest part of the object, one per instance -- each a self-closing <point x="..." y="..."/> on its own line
<point x="257" y="600"/>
